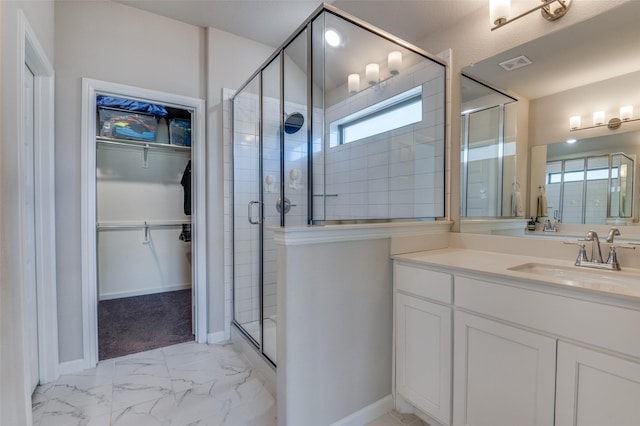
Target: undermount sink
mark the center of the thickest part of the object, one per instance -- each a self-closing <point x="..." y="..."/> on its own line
<point x="573" y="275"/>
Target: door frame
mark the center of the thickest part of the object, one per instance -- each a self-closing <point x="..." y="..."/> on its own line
<point x="32" y="54"/>
<point x="91" y="88"/>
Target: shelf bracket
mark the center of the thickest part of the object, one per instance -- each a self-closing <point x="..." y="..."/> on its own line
<point x="146" y="233"/>
<point x="145" y="158"/>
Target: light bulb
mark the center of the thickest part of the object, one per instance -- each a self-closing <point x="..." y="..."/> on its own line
<point x="574" y="122"/>
<point x="499" y="11"/>
<point x="394" y="61"/>
<point x="598" y="118"/>
<point x="626" y="112"/>
<point x="353" y="83"/>
<point x="372" y="73"/>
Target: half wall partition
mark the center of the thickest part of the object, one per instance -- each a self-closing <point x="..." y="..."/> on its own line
<point x="343" y="124"/>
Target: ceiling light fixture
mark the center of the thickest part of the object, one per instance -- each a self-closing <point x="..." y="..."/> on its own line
<point x="332" y="37"/>
<point x="500" y="11"/>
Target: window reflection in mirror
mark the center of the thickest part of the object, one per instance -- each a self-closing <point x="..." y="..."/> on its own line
<point x="488" y="159"/>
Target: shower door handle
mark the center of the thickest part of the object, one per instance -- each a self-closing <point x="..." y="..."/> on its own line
<point x="249" y="211"/>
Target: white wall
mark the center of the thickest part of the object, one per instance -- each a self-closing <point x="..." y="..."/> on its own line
<point x="334" y="329"/>
<point x="15" y="401"/>
<point x="552" y="112"/>
<point x="111" y="42"/>
<point x="128" y="193"/>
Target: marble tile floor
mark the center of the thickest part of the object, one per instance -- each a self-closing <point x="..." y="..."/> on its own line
<point x="185" y="384"/>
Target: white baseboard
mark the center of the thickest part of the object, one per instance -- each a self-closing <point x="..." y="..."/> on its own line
<point x="70" y="367"/>
<point x="368" y="413"/>
<point x="143" y="292"/>
<point x="217" y="337"/>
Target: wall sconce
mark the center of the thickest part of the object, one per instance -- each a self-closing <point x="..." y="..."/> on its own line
<point x="500" y="10"/>
<point x="626" y="115"/>
<point x="394" y="62"/>
<point x="372" y="73"/>
<point x="353" y="83"/>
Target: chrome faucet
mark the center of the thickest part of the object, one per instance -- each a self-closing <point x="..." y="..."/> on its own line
<point x="613" y="232"/>
<point x="596" y="253"/>
<point x="595" y="244"/>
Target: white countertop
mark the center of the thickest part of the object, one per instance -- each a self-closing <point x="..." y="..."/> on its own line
<point x="622" y="284"/>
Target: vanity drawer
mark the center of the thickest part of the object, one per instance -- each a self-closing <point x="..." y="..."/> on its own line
<point x="423" y="282"/>
<point x="607" y="326"/>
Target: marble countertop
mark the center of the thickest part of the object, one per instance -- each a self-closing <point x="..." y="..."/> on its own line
<point x="554" y="272"/>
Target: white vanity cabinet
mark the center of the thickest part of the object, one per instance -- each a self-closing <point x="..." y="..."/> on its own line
<point x="503" y="375"/>
<point x="594" y="388"/>
<point x="489" y="349"/>
<point x="423" y="340"/>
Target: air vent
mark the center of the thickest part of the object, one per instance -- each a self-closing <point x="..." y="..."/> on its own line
<point x="515" y="63"/>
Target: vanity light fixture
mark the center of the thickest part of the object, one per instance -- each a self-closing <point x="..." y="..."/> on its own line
<point x="570" y="141"/>
<point x="372" y="73"/>
<point x="500" y="11"/>
<point x="626" y="115"/>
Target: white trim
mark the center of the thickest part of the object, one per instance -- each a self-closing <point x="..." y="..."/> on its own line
<point x="70" y="367"/>
<point x="90" y="88"/>
<point x="32" y="54"/>
<point x="368" y="414"/>
<point x="144" y="292"/>
<point x="368" y="231"/>
<point x="217" y="337"/>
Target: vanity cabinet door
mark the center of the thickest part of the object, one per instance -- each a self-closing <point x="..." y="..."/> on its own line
<point x="423" y="355"/>
<point x="503" y="375"/>
<point x="596" y="389"/>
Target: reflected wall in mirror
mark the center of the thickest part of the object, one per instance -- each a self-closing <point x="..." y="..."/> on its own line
<point x="488" y="184"/>
<point x="591" y="181"/>
<point x="575" y="71"/>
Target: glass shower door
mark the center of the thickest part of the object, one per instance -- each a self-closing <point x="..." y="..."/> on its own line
<point x="247" y="211"/>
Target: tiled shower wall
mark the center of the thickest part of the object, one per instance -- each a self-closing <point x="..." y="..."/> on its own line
<point x="246" y="187"/>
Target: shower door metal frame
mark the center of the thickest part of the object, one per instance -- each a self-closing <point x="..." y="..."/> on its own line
<point x="259" y="345"/>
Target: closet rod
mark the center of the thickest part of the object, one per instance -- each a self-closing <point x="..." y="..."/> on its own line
<point x="142" y="144"/>
<point x="114" y="227"/>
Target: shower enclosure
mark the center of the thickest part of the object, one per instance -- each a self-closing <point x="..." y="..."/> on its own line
<point x="343" y="124"/>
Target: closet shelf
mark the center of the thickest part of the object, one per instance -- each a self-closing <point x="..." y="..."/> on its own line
<point x="141" y="144"/>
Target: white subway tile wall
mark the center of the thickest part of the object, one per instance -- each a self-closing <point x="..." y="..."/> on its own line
<point x="396" y="174"/>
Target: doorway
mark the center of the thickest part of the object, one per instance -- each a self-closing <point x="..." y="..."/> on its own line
<point x="145" y="231"/>
<point x="37" y="207"/>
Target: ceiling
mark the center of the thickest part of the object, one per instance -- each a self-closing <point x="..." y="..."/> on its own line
<point x="272" y="21"/>
<point x="600" y="48"/>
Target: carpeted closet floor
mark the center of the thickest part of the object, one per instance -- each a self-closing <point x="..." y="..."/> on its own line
<point x="135" y="324"/>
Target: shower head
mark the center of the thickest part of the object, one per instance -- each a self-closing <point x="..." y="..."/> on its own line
<point x="293" y="122"/>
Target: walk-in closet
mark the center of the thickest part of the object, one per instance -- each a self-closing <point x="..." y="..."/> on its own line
<point x="143" y="211"/>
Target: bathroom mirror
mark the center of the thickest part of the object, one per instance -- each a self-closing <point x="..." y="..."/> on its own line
<point x="589" y="181"/>
<point x="575" y="71"/>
